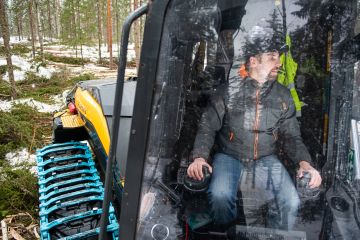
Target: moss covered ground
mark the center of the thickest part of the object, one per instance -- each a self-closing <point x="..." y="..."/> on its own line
<point x="24" y="127"/>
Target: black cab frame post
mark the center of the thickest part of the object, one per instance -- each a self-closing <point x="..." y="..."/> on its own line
<point x="138" y="142"/>
<point x="116" y="113"/>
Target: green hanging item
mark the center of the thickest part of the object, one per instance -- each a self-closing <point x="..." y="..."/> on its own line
<point x="286" y="77"/>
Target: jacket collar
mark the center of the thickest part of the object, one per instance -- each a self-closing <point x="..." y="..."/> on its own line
<point x="264" y="88"/>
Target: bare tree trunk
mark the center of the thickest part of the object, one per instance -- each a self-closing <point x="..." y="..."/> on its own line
<point x="137" y="36"/>
<point x="131" y="9"/>
<point x="141" y="27"/>
<point x="40" y="30"/>
<point x="6" y="36"/>
<point x="17" y="23"/>
<point x="109" y="31"/>
<point x="104" y="27"/>
<point x="20" y="26"/>
<point x="99" y="26"/>
<point x="57" y="19"/>
<point x="36" y="28"/>
<point x="42" y="27"/>
<point x="31" y="18"/>
<point x="79" y="27"/>
<point x="117" y="28"/>
<point x="75" y="27"/>
<point x="49" y="19"/>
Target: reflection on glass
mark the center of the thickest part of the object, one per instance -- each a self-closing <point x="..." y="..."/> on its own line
<point x="250" y="129"/>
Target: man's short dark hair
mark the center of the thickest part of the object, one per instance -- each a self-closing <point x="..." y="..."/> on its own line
<point x="261" y="40"/>
<point x="247" y="60"/>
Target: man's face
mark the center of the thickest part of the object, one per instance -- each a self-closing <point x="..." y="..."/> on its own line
<point x="265" y="66"/>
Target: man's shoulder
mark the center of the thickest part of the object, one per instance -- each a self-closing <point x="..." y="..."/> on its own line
<point x="281" y="90"/>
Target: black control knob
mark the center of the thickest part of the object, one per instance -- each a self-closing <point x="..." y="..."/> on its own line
<point x="304" y="190"/>
<point x="304" y="181"/>
<point x="194" y="185"/>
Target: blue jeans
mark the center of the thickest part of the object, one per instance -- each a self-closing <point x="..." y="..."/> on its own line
<point x="266" y="189"/>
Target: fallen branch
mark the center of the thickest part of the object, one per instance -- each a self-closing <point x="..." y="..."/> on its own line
<point x="36" y="233"/>
<point x="14" y="228"/>
<point x="10" y="218"/>
<point x="15" y="234"/>
<point x="32" y="140"/>
<point x="4" y="230"/>
<point x="5" y="95"/>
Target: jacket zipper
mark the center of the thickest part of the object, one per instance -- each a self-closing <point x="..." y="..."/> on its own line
<point x="256" y="124"/>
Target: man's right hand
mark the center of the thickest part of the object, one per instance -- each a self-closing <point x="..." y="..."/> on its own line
<point x="195" y="168"/>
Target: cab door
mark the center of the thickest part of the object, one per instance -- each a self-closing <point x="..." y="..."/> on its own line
<point x="193" y="50"/>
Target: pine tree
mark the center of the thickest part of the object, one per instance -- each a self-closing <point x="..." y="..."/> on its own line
<point x="68" y="24"/>
<point x="19" y="7"/>
<point x="39" y="24"/>
<point x="109" y="31"/>
<point x="122" y="8"/>
<point x="137" y="36"/>
<point x="49" y="19"/>
<point x="6" y="36"/>
<point x="276" y="25"/>
<point x="32" y="25"/>
<point x="56" y="6"/>
<point x="98" y="6"/>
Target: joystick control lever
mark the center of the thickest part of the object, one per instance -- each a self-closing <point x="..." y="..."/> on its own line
<point x="194" y="185"/>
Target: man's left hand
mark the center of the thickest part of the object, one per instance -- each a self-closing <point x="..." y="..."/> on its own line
<point x="315" y="175"/>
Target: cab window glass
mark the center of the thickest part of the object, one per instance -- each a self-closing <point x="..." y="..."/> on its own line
<point x="264" y="96"/>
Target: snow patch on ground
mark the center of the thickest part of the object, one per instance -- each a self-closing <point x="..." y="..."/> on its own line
<point x="21" y="157"/>
<point x="60" y="99"/>
<point x="18" y="75"/>
<point x="18" y="61"/>
<point x="15" y="40"/>
<point x="46" y="72"/>
<point x="5" y="106"/>
<point x="25" y="66"/>
<point x="39" y="106"/>
<point x="88" y="52"/>
<point x="59" y="103"/>
<point x="92" y="66"/>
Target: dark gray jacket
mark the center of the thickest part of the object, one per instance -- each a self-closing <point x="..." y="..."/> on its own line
<point x="247" y="120"/>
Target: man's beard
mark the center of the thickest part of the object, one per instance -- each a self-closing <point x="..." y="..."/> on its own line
<point x="271" y="76"/>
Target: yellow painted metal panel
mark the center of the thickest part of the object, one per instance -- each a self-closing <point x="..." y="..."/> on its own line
<point x="91" y="110"/>
<point x="71" y="121"/>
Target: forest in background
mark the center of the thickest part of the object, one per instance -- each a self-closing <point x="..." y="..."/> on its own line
<point x="77" y="41"/>
<point x="70" y="22"/>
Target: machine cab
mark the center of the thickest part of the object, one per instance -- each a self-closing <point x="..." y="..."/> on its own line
<point x="196" y="50"/>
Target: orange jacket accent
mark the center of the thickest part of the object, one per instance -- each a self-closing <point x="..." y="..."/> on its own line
<point x="242" y="71"/>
